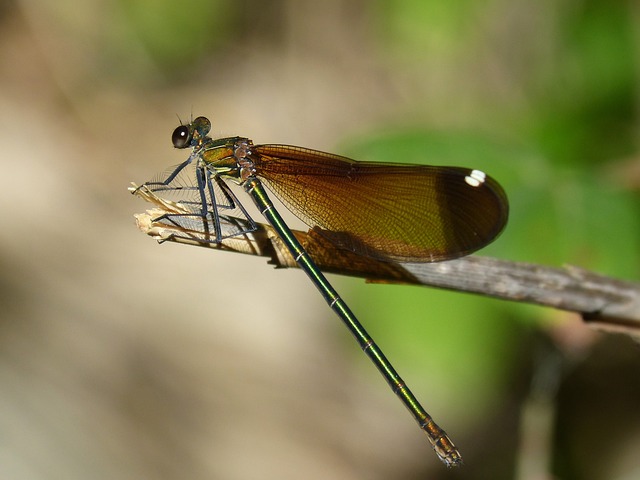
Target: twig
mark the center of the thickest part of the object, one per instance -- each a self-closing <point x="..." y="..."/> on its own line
<point x="605" y="303"/>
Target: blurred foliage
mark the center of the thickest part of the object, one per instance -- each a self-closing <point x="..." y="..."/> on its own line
<point x="407" y="27"/>
<point x="174" y="35"/>
<point x="586" y="107"/>
<point x="549" y="95"/>
<point x="562" y="114"/>
<point x="578" y="120"/>
<point x="177" y="34"/>
<point x="581" y="118"/>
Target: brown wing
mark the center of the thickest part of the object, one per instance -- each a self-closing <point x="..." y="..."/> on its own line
<point x="412" y="213"/>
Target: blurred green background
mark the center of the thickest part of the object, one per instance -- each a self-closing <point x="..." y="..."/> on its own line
<point x="120" y="358"/>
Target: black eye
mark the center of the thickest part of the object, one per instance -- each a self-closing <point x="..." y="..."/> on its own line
<point x="181" y="137"/>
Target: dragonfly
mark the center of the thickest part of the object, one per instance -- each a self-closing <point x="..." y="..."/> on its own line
<point x="388" y="212"/>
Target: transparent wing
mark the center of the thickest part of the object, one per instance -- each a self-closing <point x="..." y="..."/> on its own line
<point x="209" y="210"/>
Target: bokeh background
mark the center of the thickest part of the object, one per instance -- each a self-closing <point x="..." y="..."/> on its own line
<point x="121" y="358"/>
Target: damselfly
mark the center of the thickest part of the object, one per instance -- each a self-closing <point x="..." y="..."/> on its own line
<point x="389" y="212"/>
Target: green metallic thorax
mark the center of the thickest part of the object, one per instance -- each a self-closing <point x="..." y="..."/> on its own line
<point x="228" y="157"/>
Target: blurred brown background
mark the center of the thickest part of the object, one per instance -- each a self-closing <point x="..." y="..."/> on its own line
<point x="122" y="359"/>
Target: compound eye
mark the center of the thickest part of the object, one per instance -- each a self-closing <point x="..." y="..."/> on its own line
<point x="202" y="125"/>
<point x="181" y="137"/>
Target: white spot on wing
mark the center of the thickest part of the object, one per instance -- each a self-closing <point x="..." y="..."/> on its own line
<point x="475" y="178"/>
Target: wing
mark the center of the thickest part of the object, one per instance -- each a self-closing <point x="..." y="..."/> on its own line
<point x="206" y="209"/>
<point x="411" y="213"/>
